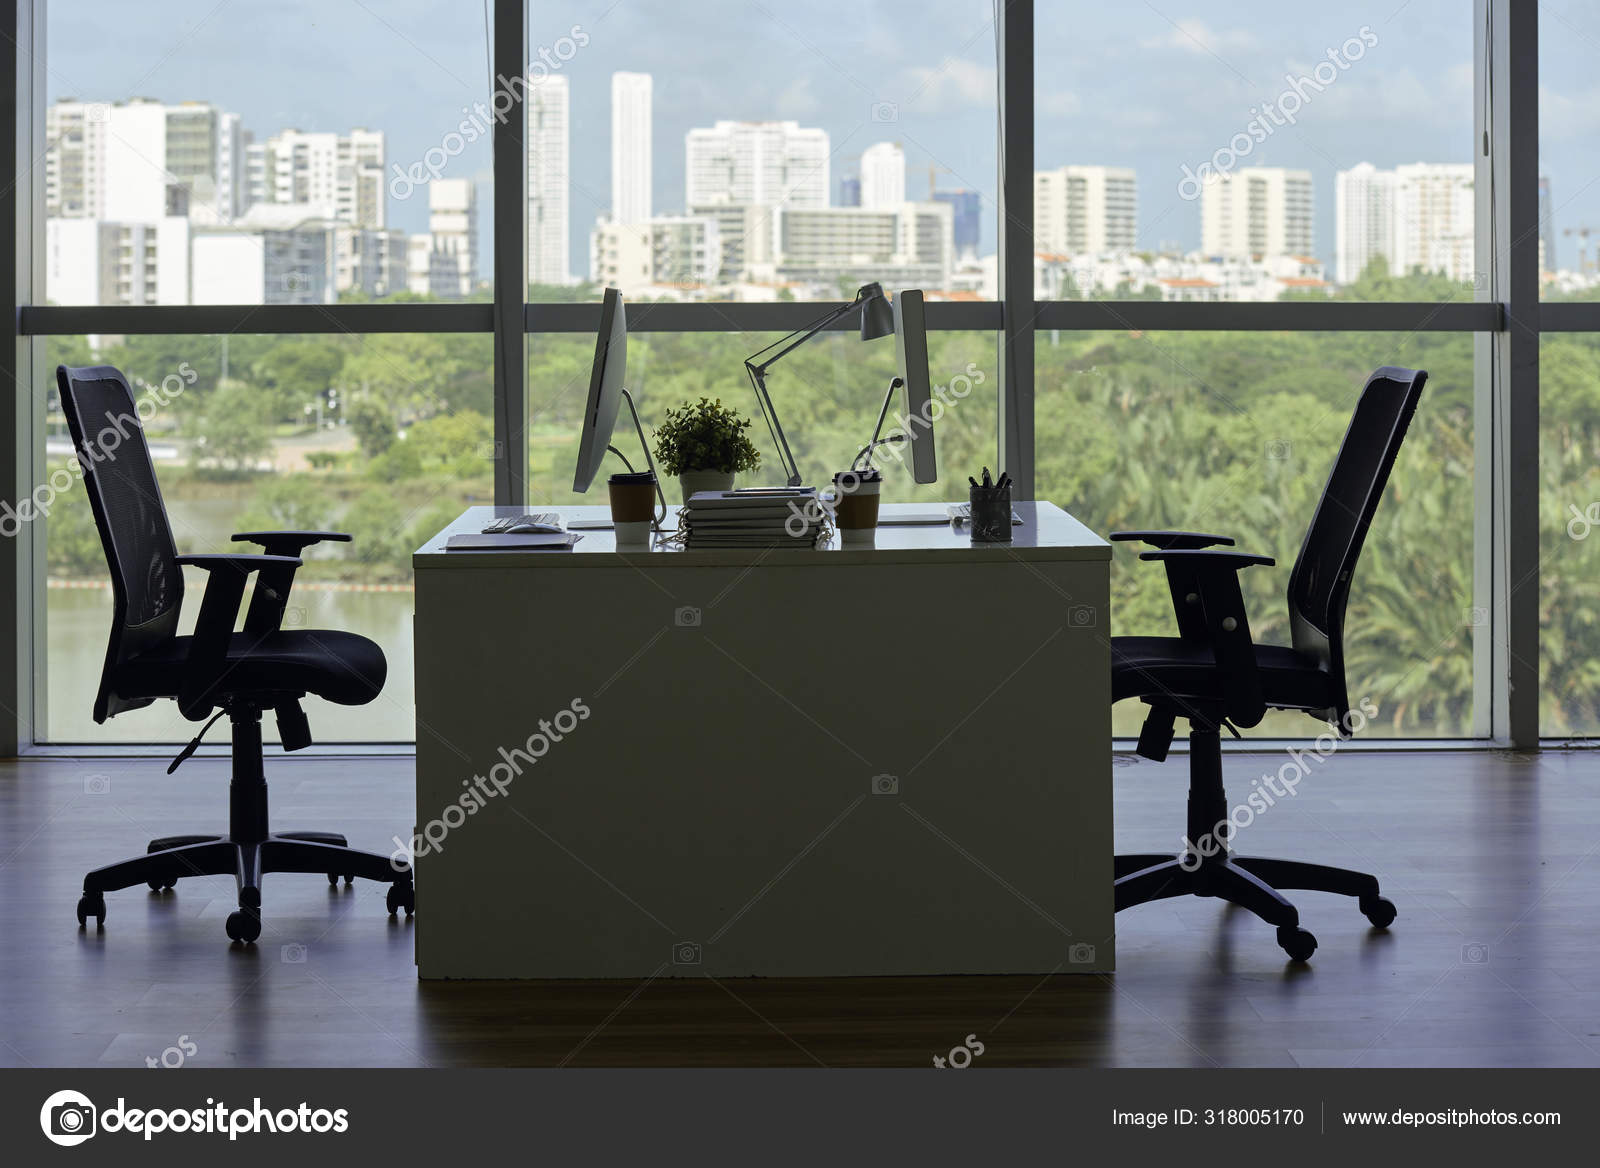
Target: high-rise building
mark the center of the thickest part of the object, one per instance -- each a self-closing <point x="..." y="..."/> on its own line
<point x="1256" y="211"/>
<point x="1363" y="219"/>
<point x="549" y="144"/>
<point x="1434" y="218"/>
<point x="630" y="147"/>
<point x="75" y="161"/>
<point x="168" y="159"/>
<point x="908" y="245"/>
<point x="883" y="176"/>
<point x="1085" y="210"/>
<point x="96" y="261"/>
<point x="667" y="253"/>
<point x="272" y="254"/>
<point x="341" y="171"/>
<point x="453" y="230"/>
<point x="1418" y="217"/>
<point x="850" y="191"/>
<point x="966" y="209"/>
<point x="776" y="163"/>
<point x="369" y="259"/>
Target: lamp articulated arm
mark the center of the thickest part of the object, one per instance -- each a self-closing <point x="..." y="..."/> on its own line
<point x="758" y="365"/>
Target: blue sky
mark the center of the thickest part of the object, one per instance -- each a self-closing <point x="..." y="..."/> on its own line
<point x="1148" y="85"/>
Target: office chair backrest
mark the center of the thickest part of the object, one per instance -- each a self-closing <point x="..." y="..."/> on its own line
<point x="146" y="582"/>
<point x="1319" y="586"/>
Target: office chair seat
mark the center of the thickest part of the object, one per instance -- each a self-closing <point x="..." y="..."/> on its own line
<point x="343" y="668"/>
<point x="1172" y="667"/>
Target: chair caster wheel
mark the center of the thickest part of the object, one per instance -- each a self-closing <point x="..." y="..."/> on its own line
<point x="92" y="904"/>
<point x="402" y="897"/>
<point x="158" y="885"/>
<point x="243" y="926"/>
<point x="1297" y="943"/>
<point x="333" y="879"/>
<point x="1379" y="910"/>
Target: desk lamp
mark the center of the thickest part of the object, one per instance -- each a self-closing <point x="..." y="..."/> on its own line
<point x="877" y="320"/>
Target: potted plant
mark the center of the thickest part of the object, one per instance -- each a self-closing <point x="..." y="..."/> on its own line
<point x="704" y="445"/>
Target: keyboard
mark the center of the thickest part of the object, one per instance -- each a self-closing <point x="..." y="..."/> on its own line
<point x="546" y="521"/>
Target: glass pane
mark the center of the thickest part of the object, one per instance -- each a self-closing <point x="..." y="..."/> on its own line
<point x="719" y="150"/>
<point x="266" y="154"/>
<point x="1569" y="200"/>
<point x="1569" y="546"/>
<point x="1254" y="150"/>
<point x="385" y="437"/>
<point x="827" y="395"/>
<point x="1234" y="433"/>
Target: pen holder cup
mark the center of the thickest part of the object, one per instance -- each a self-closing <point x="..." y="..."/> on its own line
<point x="991" y="514"/>
<point x="633" y="505"/>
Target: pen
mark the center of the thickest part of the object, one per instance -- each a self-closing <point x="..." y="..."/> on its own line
<point x="972" y="480"/>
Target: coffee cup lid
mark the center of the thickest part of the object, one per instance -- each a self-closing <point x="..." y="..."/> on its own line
<point x="869" y="474"/>
<point x="630" y="478"/>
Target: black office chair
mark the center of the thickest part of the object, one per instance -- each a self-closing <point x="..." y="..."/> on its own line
<point x="237" y="674"/>
<point x="1214" y="676"/>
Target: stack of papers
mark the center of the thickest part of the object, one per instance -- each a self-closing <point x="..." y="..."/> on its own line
<point x="775" y="517"/>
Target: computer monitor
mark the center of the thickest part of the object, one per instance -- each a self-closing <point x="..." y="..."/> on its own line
<point x="911" y="350"/>
<point x="605" y="390"/>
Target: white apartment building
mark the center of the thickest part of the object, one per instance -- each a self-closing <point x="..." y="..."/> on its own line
<point x="549" y="161"/>
<point x="142" y="160"/>
<point x="774" y="163"/>
<point x="95" y="261"/>
<point x="883" y="176"/>
<point x="631" y="96"/>
<point x="1257" y="211"/>
<point x="342" y="171"/>
<point x="909" y="245"/>
<point x="1081" y="210"/>
<point x="1363" y="199"/>
<point x="746" y="236"/>
<point x="444" y="263"/>
<point x="662" y="257"/>
<point x="1418" y="217"/>
<point x="273" y="254"/>
<point x="369" y="260"/>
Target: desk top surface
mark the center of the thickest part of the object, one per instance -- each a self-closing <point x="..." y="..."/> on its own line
<point x="1045" y="533"/>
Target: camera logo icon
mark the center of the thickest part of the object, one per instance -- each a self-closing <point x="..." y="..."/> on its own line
<point x="1279" y="450"/>
<point x="67" y="1118"/>
<point x="1082" y="616"/>
<point x="491" y="451"/>
<point x="687" y="617"/>
<point x="1477" y="618"/>
<point x="293" y="953"/>
<point x="1476" y="953"/>
<point x="294" y="616"/>
<point x="686" y="953"/>
<point x="885" y="785"/>
<point x="97" y="111"/>
<point x="1081" y="953"/>
<point x="885" y="111"/>
<point x="96" y="784"/>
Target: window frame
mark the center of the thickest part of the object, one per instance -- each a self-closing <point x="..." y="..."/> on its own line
<point x="1506" y="317"/>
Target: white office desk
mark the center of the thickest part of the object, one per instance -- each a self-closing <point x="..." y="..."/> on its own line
<point x="892" y="759"/>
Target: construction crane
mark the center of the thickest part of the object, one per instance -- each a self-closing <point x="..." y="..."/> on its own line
<point x="934" y="171"/>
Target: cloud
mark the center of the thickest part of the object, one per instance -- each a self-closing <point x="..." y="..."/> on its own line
<point x="1193" y="36"/>
<point x="953" y="84"/>
<point x="798" y="101"/>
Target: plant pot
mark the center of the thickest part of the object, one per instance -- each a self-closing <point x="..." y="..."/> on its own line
<point x="691" y="481"/>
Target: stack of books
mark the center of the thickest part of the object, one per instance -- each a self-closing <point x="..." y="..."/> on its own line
<point x="762" y="517"/>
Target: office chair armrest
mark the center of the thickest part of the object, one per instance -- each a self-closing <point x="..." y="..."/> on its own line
<point x="213" y="628"/>
<point x="1209" y="580"/>
<point x="288" y="543"/>
<point x="271" y="595"/>
<point x="1173" y="540"/>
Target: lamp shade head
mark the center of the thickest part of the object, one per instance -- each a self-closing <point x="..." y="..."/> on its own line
<point x="877" y="314"/>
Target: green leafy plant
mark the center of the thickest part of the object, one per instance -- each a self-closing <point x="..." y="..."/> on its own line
<point x="705" y="435"/>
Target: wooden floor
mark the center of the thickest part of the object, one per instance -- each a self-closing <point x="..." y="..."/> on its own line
<point x="1494" y="961"/>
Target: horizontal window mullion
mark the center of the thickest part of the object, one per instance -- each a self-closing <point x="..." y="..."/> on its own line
<point x="1270" y="316"/>
<point x="743" y="316"/>
<point x="218" y="319"/>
